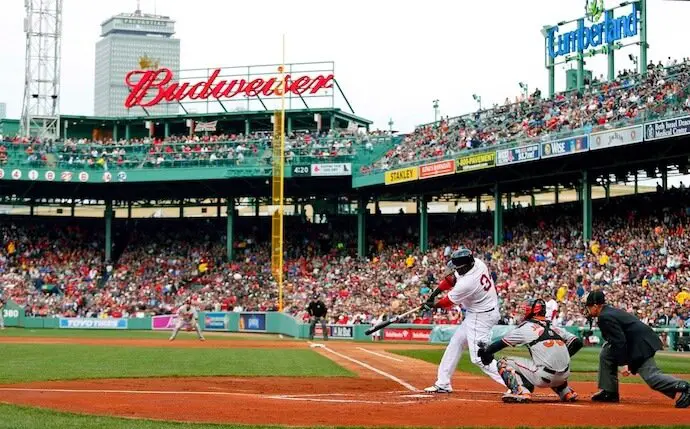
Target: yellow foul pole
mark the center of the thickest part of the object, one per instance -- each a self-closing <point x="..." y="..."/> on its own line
<point x="278" y="183"/>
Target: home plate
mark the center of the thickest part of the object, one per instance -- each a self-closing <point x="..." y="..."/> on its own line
<point x="416" y="395"/>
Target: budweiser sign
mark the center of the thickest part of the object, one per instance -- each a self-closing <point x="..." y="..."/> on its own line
<point x="151" y="87"/>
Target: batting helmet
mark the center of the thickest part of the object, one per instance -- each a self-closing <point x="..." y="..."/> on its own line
<point x="462" y="260"/>
<point x="534" y="308"/>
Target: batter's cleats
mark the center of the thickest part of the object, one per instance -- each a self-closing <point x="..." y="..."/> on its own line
<point x="202" y="339"/>
<point x="438" y="389"/>
<point x="604" y="396"/>
<point x="683" y="387"/>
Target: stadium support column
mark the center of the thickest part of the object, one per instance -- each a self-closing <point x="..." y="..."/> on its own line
<point x="533" y="199"/>
<point x="636" y="190"/>
<point x="643" y="37"/>
<point x="664" y="177"/>
<point x="257" y="204"/>
<point x="247" y="127"/>
<point x="129" y="210"/>
<point x="586" y="206"/>
<point x="478" y="200"/>
<point x="509" y="200"/>
<point x="127" y="133"/>
<point x="423" y="209"/>
<point x="115" y="133"/>
<point x="558" y="191"/>
<point x="361" y="226"/>
<point x="166" y="129"/>
<point x="181" y="208"/>
<point x="230" y="232"/>
<point x="289" y="125"/>
<point x="610" y="52"/>
<point x="498" y="216"/>
<point x="108" y="215"/>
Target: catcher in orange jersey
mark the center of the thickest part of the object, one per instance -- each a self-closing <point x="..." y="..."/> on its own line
<point x="550" y="348"/>
<point x="187" y="317"/>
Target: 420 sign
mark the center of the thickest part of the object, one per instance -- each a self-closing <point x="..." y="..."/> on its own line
<point x="151" y="87"/>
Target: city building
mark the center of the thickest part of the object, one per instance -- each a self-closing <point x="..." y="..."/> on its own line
<point x="131" y="41"/>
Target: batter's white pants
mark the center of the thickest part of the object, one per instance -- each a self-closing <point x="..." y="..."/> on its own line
<point x="475" y="328"/>
<point x="536" y="375"/>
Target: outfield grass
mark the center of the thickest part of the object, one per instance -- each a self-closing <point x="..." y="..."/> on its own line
<point x="125" y="333"/>
<point x="40" y="362"/>
<point x="584" y="366"/>
<point x="15" y="417"/>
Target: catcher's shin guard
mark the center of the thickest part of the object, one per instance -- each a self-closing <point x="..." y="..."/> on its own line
<point x="510" y="377"/>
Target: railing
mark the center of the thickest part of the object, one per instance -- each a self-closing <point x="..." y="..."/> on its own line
<point x="139" y="155"/>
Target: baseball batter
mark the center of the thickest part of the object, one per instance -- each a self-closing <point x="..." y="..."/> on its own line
<point x="550" y="348"/>
<point x="187" y="317"/>
<point x="469" y="284"/>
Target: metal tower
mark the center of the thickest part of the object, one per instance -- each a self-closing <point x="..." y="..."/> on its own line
<point x="41" y="107"/>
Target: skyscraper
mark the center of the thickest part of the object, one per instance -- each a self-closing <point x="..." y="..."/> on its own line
<point x="132" y="41"/>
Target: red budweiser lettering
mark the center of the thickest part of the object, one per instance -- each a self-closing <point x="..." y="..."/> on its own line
<point x="404" y="334"/>
<point x="437" y="169"/>
<point x="150" y="87"/>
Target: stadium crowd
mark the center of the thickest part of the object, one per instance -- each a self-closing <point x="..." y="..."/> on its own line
<point x="179" y="151"/>
<point x="629" y="97"/>
<point x="638" y="255"/>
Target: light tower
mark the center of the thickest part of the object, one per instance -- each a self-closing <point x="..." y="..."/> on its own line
<point x="41" y="107"/>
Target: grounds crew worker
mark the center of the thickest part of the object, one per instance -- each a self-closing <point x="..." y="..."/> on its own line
<point x="317" y="312"/>
<point x="632" y="345"/>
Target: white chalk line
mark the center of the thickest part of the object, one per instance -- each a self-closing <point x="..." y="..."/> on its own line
<point x="403" y="383"/>
<point x="306" y="398"/>
<point x="380" y="355"/>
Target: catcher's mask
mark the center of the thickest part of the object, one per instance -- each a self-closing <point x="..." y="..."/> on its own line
<point x="534" y="308"/>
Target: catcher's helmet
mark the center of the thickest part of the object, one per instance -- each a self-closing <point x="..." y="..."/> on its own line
<point x="534" y="308"/>
<point x="463" y="260"/>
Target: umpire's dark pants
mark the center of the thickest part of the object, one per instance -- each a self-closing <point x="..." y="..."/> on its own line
<point x="312" y="327"/>
<point x="650" y="373"/>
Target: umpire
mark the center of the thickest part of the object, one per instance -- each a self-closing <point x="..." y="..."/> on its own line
<point x="317" y="312"/>
<point x="631" y="344"/>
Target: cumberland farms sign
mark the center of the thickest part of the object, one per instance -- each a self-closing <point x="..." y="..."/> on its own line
<point x="151" y="87"/>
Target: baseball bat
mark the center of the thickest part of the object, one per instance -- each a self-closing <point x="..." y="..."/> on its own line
<point x="390" y="322"/>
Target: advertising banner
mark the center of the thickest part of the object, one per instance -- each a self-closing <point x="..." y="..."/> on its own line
<point x="401" y="175"/>
<point x="617" y="137"/>
<point x="165" y="323"/>
<point x="406" y="334"/>
<point x="437" y="169"/>
<point x="666" y="129"/>
<point x="301" y="170"/>
<point x="331" y="169"/>
<point x="338" y="332"/>
<point x="518" y="154"/>
<point x="84" y="323"/>
<point x="562" y="147"/>
<point x="253" y="322"/>
<point x="475" y="162"/>
<point x="216" y="321"/>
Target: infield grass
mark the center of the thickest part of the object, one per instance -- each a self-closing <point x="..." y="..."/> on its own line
<point x="584" y="365"/>
<point x="44" y="362"/>
<point x="16" y="417"/>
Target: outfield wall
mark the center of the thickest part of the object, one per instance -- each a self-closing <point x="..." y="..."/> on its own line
<point x="271" y="323"/>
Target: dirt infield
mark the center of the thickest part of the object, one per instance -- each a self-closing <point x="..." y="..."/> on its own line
<point x="387" y="393"/>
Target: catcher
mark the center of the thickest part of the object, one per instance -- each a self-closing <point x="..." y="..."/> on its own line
<point x="187" y="318"/>
<point x="550" y="348"/>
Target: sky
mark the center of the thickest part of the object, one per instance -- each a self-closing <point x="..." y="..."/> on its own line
<point x="392" y="58"/>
